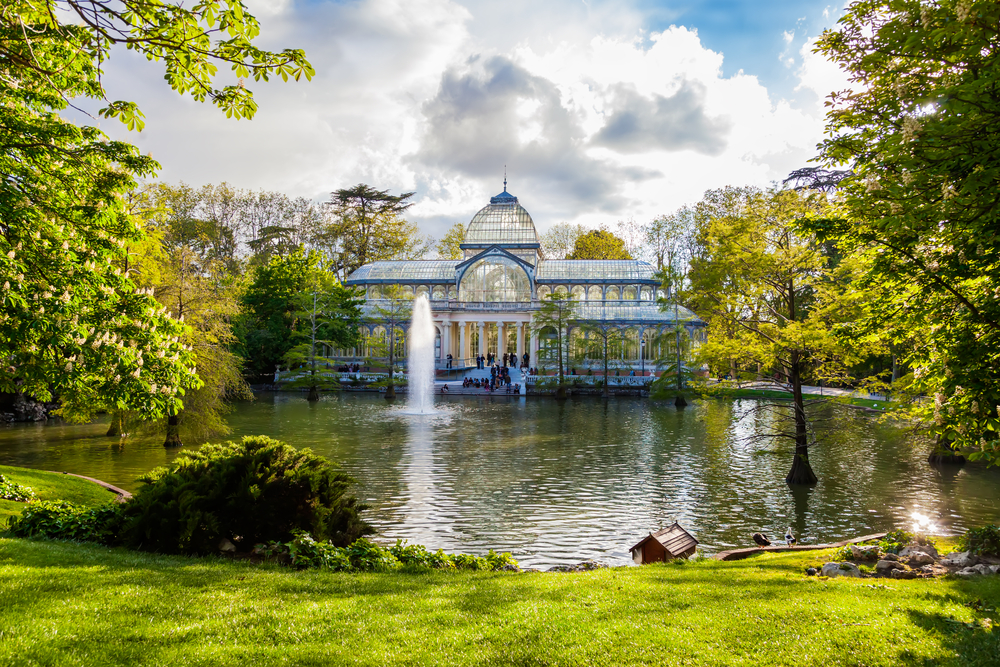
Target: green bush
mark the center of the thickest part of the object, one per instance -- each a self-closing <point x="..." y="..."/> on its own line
<point x="305" y="552"/>
<point x="984" y="541"/>
<point x="61" y="520"/>
<point x="10" y="490"/>
<point x="256" y="491"/>
<point x="895" y="540"/>
<point x="417" y="556"/>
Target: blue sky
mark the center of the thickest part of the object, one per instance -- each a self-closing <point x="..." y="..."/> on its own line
<point x="602" y="111"/>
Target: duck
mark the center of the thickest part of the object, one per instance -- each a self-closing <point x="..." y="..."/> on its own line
<point x="789" y="537"/>
<point x="761" y="540"/>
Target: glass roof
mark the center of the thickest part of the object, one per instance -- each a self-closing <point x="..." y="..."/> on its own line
<point x="635" y="312"/>
<point x="503" y="221"/>
<point x="417" y="269"/>
<point x="593" y="269"/>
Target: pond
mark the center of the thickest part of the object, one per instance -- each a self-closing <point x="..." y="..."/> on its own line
<point x="558" y="482"/>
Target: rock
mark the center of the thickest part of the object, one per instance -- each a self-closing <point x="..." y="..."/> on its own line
<point x="870" y="552"/>
<point x="884" y="567"/>
<point x="893" y="557"/>
<point x="918" y="548"/>
<point x="903" y="574"/>
<point x="840" y="570"/>
<point x="28" y="410"/>
<point x="959" y="559"/>
<point x="975" y="571"/>
<point x="562" y="568"/>
<point x="510" y="567"/>
<point x="811" y="572"/>
<point x="226" y="546"/>
<point x="919" y="558"/>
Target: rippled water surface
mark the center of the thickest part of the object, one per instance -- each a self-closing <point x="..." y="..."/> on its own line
<point x="559" y="482"/>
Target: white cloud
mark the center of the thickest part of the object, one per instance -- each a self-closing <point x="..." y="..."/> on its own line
<point x="595" y="119"/>
<point x="819" y="75"/>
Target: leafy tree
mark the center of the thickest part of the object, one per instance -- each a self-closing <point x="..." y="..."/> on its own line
<point x="369" y="227"/>
<point x="268" y="306"/>
<point x="757" y="274"/>
<point x="392" y="312"/>
<point x="560" y="240"/>
<point x="555" y="313"/>
<point x="599" y="244"/>
<point x="602" y="340"/>
<point x="449" y="246"/>
<point x="919" y="209"/>
<point x="72" y="325"/>
<point x="328" y="314"/>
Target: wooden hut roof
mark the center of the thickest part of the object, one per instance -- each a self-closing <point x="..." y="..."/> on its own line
<point x="674" y="539"/>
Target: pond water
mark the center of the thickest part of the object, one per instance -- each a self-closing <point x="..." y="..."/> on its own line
<point x="561" y="481"/>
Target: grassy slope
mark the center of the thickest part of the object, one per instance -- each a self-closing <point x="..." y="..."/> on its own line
<point x="63" y="603"/>
<point x="51" y="486"/>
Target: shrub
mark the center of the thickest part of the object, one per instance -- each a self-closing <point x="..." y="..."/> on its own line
<point x="257" y="490"/>
<point x="10" y="490"/>
<point x="61" y="520"/>
<point x="417" y="556"/>
<point x="895" y="540"/>
<point x="305" y="552"/>
<point x="984" y="541"/>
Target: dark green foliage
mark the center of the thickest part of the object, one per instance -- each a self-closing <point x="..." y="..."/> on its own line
<point x="265" y="326"/>
<point x="60" y="520"/>
<point x="13" y="491"/>
<point x="984" y="541"/>
<point x="257" y="490"/>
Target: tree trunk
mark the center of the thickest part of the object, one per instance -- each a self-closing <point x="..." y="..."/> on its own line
<point x="606" y="393"/>
<point x="313" y="394"/>
<point x="801" y="472"/>
<point x="114" y="428"/>
<point x="944" y="453"/>
<point x="173" y="432"/>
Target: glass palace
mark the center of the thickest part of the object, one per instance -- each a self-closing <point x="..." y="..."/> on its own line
<point x="485" y="302"/>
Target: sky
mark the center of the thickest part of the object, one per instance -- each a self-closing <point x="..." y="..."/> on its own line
<point x="600" y="111"/>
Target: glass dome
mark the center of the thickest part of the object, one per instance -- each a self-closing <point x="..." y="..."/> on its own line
<point x="503" y="221"/>
<point x="495" y="279"/>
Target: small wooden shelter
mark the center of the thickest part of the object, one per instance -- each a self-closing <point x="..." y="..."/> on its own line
<point x="665" y="544"/>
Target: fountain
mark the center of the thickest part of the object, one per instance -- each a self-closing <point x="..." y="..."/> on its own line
<point x="420" y="364"/>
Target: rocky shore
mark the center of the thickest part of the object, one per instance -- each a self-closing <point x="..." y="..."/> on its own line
<point x="912" y="562"/>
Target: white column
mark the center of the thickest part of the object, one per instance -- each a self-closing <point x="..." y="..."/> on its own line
<point x="520" y="342"/>
<point x="501" y="340"/>
<point x="534" y="348"/>
<point x="445" y="341"/>
<point x="482" y="339"/>
<point x="463" y="347"/>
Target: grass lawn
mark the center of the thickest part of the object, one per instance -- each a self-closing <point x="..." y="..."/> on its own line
<point x="65" y="603"/>
<point x="51" y="486"/>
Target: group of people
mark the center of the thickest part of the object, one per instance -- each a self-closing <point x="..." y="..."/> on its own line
<point x="348" y="368"/>
<point x="509" y="360"/>
<point x="499" y="379"/>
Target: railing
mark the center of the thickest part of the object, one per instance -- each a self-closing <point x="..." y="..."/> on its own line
<point x="613" y="381"/>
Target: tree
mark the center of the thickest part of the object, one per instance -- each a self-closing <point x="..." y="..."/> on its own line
<point x="560" y="240"/>
<point x="267" y="319"/>
<point x="599" y="244"/>
<point x="328" y="315"/>
<point x="393" y="313"/>
<point x="449" y="246"/>
<point x="72" y="325"/>
<point x="555" y="314"/>
<point x="369" y="227"/>
<point x="757" y="274"/>
<point x="919" y="210"/>
<point x="602" y="339"/>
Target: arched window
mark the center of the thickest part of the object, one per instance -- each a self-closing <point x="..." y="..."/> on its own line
<point x="629" y="294"/>
<point x="548" y="344"/>
<point x="407" y="291"/>
<point x="660" y="294"/>
<point x="594" y="293"/>
<point x="612" y="293"/>
<point x="495" y="279"/>
<point x="543" y="292"/>
<point x="561" y="290"/>
<point x="374" y="292"/>
<point x="452" y="293"/>
<point x="422" y="290"/>
<point x="579" y="292"/>
<point x="439" y="293"/>
<point x="646" y="294"/>
<point x="630" y="345"/>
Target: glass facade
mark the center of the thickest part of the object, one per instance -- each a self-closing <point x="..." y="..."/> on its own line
<point x="495" y="279"/>
<point x="504" y="221"/>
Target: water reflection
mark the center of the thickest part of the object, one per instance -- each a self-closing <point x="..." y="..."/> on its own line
<point x="562" y="481"/>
